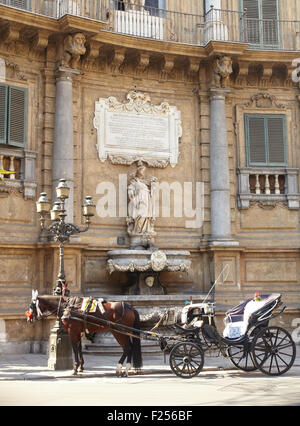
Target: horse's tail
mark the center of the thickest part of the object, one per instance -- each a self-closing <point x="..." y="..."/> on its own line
<point x="136" y="343"/>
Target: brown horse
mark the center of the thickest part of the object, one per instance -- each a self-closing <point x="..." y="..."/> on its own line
<point x="105" y="316"/>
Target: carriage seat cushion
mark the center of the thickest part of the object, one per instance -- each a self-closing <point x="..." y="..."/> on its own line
<point x="238" y="322"/>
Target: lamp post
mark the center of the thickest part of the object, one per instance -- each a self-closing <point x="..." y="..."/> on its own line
<point x="61" y="230"/>
<point x="60" y="352"/>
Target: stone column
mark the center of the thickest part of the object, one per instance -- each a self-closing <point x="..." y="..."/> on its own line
<point x="219" y="169"/>
<point x="63" y="149"/>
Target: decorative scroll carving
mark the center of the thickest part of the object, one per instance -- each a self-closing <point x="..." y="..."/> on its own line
<point x="15" y="68"/>
<point x="264" y="100"/>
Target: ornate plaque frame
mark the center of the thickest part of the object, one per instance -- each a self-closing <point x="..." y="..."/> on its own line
<point x="137" y="130"/>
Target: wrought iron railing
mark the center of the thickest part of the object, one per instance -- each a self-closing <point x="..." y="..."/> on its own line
<point x="131" y="18"/>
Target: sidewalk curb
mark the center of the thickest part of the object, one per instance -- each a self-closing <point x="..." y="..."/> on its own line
<point x="149" y="371"/>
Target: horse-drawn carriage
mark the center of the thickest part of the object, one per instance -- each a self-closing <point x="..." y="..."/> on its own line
<point x="248" y="340"/>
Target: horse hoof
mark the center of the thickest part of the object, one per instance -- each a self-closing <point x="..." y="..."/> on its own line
<point x="81" y="370"/>
<point x="74" y="373"/>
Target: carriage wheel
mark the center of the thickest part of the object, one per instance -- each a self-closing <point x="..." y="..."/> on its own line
<point x="241" y="357"/>
<point x="186" y="360"/>
<point x="273" y="351"/>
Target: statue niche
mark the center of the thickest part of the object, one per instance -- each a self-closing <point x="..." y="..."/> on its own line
<point x="73" y="49"/>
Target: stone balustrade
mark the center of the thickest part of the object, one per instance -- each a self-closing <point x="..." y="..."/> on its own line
<point x="268" y="185"/>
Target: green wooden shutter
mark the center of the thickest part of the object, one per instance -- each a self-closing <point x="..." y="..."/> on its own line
<point x="276" y="140"/>
<point x="252" y="7"/>
<point x="3" y="113"/>
<point x="255" y="130"/>
<point x="270" y="28"/>
<point x="17" y="109"/>
<point x="252" y="23"/>
<point x="265" y="140"/>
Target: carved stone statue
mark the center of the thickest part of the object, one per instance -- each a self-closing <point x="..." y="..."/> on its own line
<point x="74" y="48"/>
<point x="222" y="68"/>
<point x="141" y="206"/>
<point x="147" y="284"/>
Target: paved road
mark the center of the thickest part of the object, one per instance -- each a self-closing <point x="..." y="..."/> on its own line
<point x="215" y="388"/>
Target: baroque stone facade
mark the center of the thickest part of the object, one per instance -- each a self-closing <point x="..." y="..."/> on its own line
<point x="250" y="212"/>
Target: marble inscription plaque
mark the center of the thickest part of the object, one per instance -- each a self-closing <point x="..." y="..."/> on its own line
<point x="137" y="130"/>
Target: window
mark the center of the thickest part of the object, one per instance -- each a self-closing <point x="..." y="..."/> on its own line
<point x="265" y="140"/>
<point x="13" y="107"/>
<point x="153" y="5"/>
<point x="262" y="24"/>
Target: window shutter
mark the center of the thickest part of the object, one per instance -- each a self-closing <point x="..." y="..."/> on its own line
<point x="270" y="29"/>
<point x="252" y="22"/>
<point x="151" y="3"/>
<point x="256" y="140"/>
<point x="3" y="113"/>
<point x="276" y="140"/>
<point x="17" y="116"/>
<point x="269" y="9"/>
<point x="252" y="8"/>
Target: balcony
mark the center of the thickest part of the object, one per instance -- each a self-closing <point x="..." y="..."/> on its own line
<point x="130" y="18"/>
<point x="267" y="187"/>
<point x="21" y="165"/>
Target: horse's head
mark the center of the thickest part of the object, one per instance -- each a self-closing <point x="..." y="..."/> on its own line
<point x="34" y="310"/>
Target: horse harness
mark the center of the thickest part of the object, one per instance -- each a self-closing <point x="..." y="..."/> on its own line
<point x="91" y="305"/>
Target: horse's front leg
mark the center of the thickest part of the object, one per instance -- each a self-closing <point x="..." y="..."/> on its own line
<point x="81" y="360"/>
<point x="75" y="347"/>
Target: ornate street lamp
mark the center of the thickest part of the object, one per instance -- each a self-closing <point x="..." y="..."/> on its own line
<point x="60" y="351"/>
<point x="61" y="230"/>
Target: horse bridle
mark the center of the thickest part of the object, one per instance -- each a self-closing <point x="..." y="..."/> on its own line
<point x="35" y="312"/>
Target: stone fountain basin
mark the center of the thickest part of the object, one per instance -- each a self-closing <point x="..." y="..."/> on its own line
<point x="130" y="260"/>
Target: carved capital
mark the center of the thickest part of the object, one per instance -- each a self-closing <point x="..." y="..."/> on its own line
<point x="65" y="74"/>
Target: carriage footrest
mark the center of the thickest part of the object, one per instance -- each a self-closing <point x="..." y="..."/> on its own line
<point x="186" y="331"/>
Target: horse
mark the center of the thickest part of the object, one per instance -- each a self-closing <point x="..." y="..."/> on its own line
<point x="104" y="317"/>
